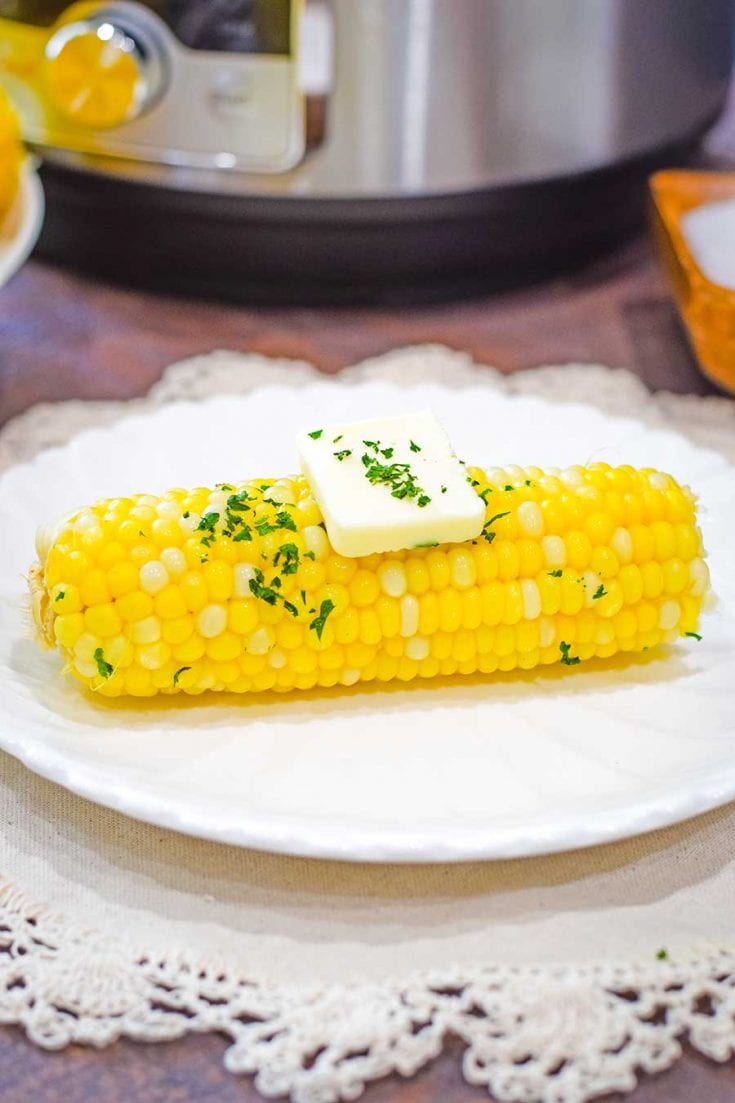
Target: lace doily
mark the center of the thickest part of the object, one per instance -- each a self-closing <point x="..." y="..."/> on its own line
<point x="564" y="976"/>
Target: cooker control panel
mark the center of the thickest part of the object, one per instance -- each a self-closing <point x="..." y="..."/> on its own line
<point x="112" y="79"/>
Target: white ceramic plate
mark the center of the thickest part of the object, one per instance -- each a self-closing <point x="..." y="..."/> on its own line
<point x="509" y="765"/>
<point x="22" y="224"/>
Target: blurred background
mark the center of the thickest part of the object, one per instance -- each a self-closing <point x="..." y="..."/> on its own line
<point x="327" y="178"/>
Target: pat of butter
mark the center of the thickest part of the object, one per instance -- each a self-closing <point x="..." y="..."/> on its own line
<point x="388" y="484"/>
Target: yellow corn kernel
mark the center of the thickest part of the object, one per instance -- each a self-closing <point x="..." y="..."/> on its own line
<point x="486" y="561"/>
<point x="103" y="620"/>
<point x="418" y="579"/>
<point x="68" y="629"/>
<point x="369" y="627"/>
<point x="653" y="579"/>
<point x="224" y="647"/>
<point x="632" y="583"/>
<point x="194" y="591"/>
<point x="177" y="630"/>
<point x="471" y="608"/>
<point x="93" y="588"/>
<point x="676" y="577"/>
<point x="190" y="650"/>
<point x="438" y="566"/>
<point x="493" y="602"/>
<point x="514" y="603"/>
<point x="644" y="545"/>
<point x="388" y="612"/>
<point x="242" y="616"/>
<point x="579" y="549"/>
<point x="450" y="611"/>
<point x="428" y="620"/>
<point x="218" y="579"/>
<point x="170" y="603"/>
<point x="508" y="559"/>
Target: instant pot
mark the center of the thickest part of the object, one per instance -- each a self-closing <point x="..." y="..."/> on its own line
<point x="355" y="150"/>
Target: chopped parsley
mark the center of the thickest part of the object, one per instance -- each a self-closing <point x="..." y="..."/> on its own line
<point x="338" y="439"/>
<point x="289" y="553"/>
<point x="243" y="533"/>
<point x="487" y="532"/>
<point x="428" y="544"/>
<point x="414" y="446"/>
<point x="444" y="490"/>
<point x="207" y="523"/>
<point x="566" y="658"/>
<point x="236" y="503"/>
<point x="599" y="592"/>
<point x="264" y="527"/>
<point x="692" y="635"/>
<point x="528" y="483"/>
<point x="285" y="521"/>
<point x="62" y="593"/>
<point x="260" y="590"/>
<point x="318" y="623"/>
<point x="224" y="486"/>
<point x="309" y="555"/>
<point x="662" y="954"/>
<point x="186" y="513"/>
<point x="483" y="493"/>
<point x="290" y="608"/>
<point x="179" y="672"/>
<point x="316" y="434"/>
<point x="508" y="487"/>
<point x="555" y="573"/>
<point x="104" y="668"/>
<point x="343" y="454"/>
<point x="397" y="477"/>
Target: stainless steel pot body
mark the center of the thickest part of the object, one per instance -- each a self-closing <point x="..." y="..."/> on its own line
<point x="419" y="97"/>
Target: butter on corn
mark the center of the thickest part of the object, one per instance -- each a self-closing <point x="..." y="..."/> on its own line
<point x="238" y="588"/>
<point x="389" y="483"/>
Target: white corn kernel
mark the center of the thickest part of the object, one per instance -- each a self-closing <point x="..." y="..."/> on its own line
<point x="546" y="632"/>
<point x="417" y="648"/>
<point x="86" y="646"/>
<point x="699" y="572"/>
<point x="212" y="621"/>
<point x="622" y="545"/>
<point x="591" y="583"/>
<point x="555" y="552"/>
<point x="392" y="578"/>
<point x="147" y="630"/>
<point x="530" y="519"/>
<point x="174" y="561"/>
<point x="86" y="669"/>
<point x="170" y="511"/>
<point x="409" y="615"/>
<point x="153" y="576"/>
<point x="462" y="568"/>
<point x="668" y="615"/>
<point x="190" y="523"/>
<point x="282" y="493"/>
<point x="531" y="599"/>
<point x="349" y="677"/>
<point x="242" y="574"/>
<point x="260" y="642"/>
<point x="277" y="659"/>
<point x="572" y="476"/>
<point x="316" y="541"/>
<point x="658" y="480"/>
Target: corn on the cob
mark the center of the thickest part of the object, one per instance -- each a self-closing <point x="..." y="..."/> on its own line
<point x="238" y="589"/>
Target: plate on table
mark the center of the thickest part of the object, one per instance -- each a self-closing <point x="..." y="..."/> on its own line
<point x="482" y="767"/>
<point x="20" y="229"/>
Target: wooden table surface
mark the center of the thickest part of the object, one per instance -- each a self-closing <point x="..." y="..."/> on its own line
<point x="63" y="336"/>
